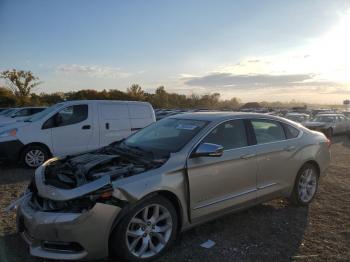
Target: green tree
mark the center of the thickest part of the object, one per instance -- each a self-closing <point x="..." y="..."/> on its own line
<point x="135" y="92"/>
<point x="7" y="98"/>
<point x="20" y="82"/>
<point x="160" y="98"/>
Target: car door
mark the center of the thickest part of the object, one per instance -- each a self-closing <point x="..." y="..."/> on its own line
<point x="343" y="124"/>
<point x="347" y="124"/>
<point x="71" y="129"/>
<point x="276" y="156"/>
<point x="217" y="183"/>
<point x="114" y="122"/>
<point x="336" y="125"/>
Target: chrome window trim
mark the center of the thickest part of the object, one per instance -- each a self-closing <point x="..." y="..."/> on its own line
<point x="228" y="197"/>
<point x="267" y="185"/>
<point x="301" y="132"/>
<point x="281" y="123"/>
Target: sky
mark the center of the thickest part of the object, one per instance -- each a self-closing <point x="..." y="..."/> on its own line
<point x="253" y="50"/>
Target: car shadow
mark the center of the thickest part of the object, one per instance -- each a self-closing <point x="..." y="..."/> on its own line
<point x="13" y="248"/>
<point x="268" y="232"/>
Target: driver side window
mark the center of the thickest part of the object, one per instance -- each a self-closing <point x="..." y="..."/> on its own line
<point x="68" y="116"/>
<point x="230" y="135"/>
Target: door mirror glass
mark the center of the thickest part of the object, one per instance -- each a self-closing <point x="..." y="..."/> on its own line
<point x="209" y="150"/>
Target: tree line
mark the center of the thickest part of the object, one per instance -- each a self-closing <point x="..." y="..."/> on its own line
<point x="20" y="87"/>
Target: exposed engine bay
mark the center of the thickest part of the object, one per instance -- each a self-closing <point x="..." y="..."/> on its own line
<point x="67" y="177"/>
<point x="74" y="171"/>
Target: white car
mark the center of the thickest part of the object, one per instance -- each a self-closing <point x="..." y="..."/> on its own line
<point x="19" y="114"/>
<point x="72" y="127"/>
<point x="297" y="117"/>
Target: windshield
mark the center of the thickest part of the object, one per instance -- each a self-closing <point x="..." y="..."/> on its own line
<point x="168" y="135"/>
<point x="43" y="113"/>
<point x="324" y="119"/>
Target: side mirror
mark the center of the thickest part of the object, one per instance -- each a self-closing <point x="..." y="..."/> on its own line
<point x="209" y="150"/>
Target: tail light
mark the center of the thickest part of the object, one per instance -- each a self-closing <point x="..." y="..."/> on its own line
<point x="328" y="142"/>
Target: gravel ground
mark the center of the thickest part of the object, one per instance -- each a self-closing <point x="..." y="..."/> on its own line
<point x="274" y="231"/>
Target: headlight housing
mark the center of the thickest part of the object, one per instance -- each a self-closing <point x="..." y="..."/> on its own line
<point x="7" y="133"/>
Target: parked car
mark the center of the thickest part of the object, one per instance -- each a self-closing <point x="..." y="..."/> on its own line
<point x="297" y="117"/>
<point x="132" y="198"/>
<point x="6" y="112"/>
<point x="19" y="114"/>
<point x="72" y="127"/>
<point x="329" y="124"/>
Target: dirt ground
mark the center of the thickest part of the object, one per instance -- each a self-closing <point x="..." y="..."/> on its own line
<point x="274" y="231"/>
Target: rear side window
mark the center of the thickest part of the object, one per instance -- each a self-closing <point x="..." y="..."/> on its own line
<point x="267" y="131"/>
<point x="230" y="135"/>
<point x="291" y="132"/>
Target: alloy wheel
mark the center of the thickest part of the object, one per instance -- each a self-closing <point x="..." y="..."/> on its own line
<point x="307" y="185"/>
<point x="149" y="231"/>
<point x="34" y="158"/>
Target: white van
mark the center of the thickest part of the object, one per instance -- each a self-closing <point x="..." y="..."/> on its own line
<point x="72" y="127"/>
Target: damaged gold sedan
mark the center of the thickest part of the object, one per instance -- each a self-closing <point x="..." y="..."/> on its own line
<point x="131" y="199"/>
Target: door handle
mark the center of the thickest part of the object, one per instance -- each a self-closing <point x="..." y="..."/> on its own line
<point x="247" y="156"/>
<point x="289" y="148"/>
<point x="107" y="125"/>
<point x="86" y="127"/>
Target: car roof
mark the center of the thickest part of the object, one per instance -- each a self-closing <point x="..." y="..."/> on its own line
<point x="330" y="114"/>
<point x="87" y="101"/>
<point x="219" y="116"/>
<point x="29" y="107"/>
<point x="296" y="114"/>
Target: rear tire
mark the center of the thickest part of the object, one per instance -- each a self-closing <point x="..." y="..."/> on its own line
<point x="305" y="185"/>
<point x="34" y="156"/>
<point x="139" y="237"/>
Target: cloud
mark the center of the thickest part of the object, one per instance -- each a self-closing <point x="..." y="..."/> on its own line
<point x="253" y="81"/>
<point x="93" y="71"/>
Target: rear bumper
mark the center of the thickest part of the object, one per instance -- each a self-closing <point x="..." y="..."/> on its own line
<point x="67" y="236"/>
<point x="10" y="150"/>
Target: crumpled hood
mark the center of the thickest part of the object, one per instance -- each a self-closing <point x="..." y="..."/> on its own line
<point x="59" y="194"/>
<point x="75" y="176"/>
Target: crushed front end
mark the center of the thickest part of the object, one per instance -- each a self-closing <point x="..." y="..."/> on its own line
<point x="70" y="207"/>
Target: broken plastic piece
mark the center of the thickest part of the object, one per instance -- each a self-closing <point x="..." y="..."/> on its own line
<point x="208" y="244"/>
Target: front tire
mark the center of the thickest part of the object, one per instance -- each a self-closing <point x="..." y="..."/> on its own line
<point x="305" y="186"/>
<point x="146" y="232"/>
<point x="34" y="156"/>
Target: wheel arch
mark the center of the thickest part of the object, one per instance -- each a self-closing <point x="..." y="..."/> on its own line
<point x="34" y="144"/>
<point x="315" y="164"/>
<point x="164" y="193"/>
